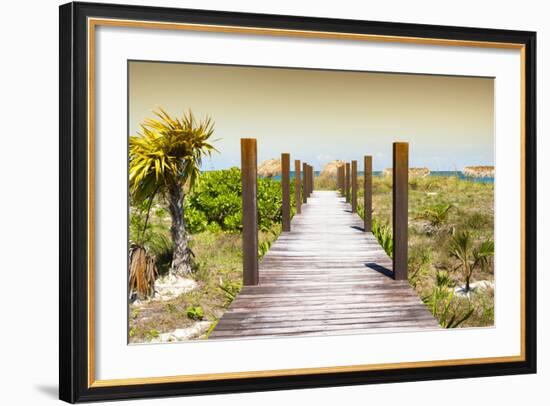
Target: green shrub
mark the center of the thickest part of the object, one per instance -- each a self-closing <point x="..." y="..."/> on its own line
<point x="215" y="202"/>
<point x="216" y="196"/>
<point x="195" y="312"/>
<point x="195" y="220"/>
<point x="270" y="201"/>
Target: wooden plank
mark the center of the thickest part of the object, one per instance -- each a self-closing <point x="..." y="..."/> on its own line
<point x="285" y="185"/>
<point x="400" y="209"/>
<point x="249" y="177"/>
<point x="297" y="187"/>
<point x="326" y="303"/>
<point x="323" y="323"/>
<point x="325" y="315"/>
<point x="297" y="303"/>
<point x="299" y="330"/>
<point x="374" y="293"/>
<point x="371" y="330"/>
<point x="367" y="194"/>
<point x="354" y="186"/>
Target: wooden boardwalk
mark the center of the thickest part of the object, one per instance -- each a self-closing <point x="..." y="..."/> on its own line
<point x="325" y="276"/>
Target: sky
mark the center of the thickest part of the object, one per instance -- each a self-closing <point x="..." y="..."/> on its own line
<point x="319" y="115"/>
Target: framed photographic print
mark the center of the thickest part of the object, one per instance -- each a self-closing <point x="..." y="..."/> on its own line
<point x="256" y="202"/>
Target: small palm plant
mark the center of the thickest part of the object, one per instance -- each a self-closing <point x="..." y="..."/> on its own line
<point x="383" y="234"/>
<point x="437" y="214"/>
<point x="469" y="256"/>
<point x="440" y="302"/>
<point x="164" y="157"/>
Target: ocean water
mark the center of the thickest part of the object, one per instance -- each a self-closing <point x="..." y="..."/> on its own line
<point x="458" y="174"/>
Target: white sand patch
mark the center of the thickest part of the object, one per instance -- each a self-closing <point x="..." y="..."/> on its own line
<point x="474" y="287"/>
<point x="183" y="334"/>
<point x="169" y="287"/>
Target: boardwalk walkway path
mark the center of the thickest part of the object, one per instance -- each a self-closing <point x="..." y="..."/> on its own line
<point x="326" y="276"/>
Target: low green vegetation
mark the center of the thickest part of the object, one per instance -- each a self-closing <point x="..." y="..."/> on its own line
<point x="215" y="243"/>
<point x="384" y="235"/>
<point x="217" y="269"/>
<point x="440" y="301"/>
<point x="324" y="182"/>
<point x="450" y="247"/>
<point x="450" y="244"/>
<point x="195" y="312"/>
<point x="215" y="202"/>
<point x="164" y="157"/>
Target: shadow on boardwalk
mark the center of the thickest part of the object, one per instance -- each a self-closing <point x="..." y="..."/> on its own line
<point x="326" y="276"/>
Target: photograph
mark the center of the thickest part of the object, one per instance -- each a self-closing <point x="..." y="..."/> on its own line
<point x="268" y="202"/>
<point x="256" y="202"/>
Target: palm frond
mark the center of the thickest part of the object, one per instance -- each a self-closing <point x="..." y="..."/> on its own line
<point x="167" y="152"/>
<point x="483" y="253"/>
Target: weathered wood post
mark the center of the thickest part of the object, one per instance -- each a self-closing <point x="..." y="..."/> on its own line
<point x="341" y="177"/>
<point x="285" y="183"/>
<point x="308" y="180"/>
<point x="400" y="208"/>
<point x="348" y="180"/>
<point x="304" y="183"/>
<point x="367" y="194"/>
<point x="312" y="175"/>
<point x="249" y="177"/>
<point x="297" y="186"/>
<point x="354" y="186"/>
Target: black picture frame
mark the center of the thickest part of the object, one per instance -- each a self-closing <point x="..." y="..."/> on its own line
<point x="74" y="200"/>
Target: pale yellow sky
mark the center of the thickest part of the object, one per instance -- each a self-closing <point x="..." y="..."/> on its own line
<point x="319" y="115"/>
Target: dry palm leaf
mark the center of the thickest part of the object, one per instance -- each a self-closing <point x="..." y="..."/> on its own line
<point x="143" y="272"/>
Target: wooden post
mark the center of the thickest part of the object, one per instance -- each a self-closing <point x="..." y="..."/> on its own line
<point x="400" y="208"/>
<point x="347" y="181"/>
<point x="312" y="175"/>
<point x="285" y="183"/>
<point x="308" y="175"/>
<point x="297" y="186"/>
<point x="304" y="183"/>
<point x="367" y="194"/>
<point x="249" y="177"/>
<point x="337" y="178"/>
<point x="354" y="186"/>
<point x="341" y="177"/>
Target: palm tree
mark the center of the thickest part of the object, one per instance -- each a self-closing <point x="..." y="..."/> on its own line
<point x="470" y="257"/>
<point x="164" y="157"/>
